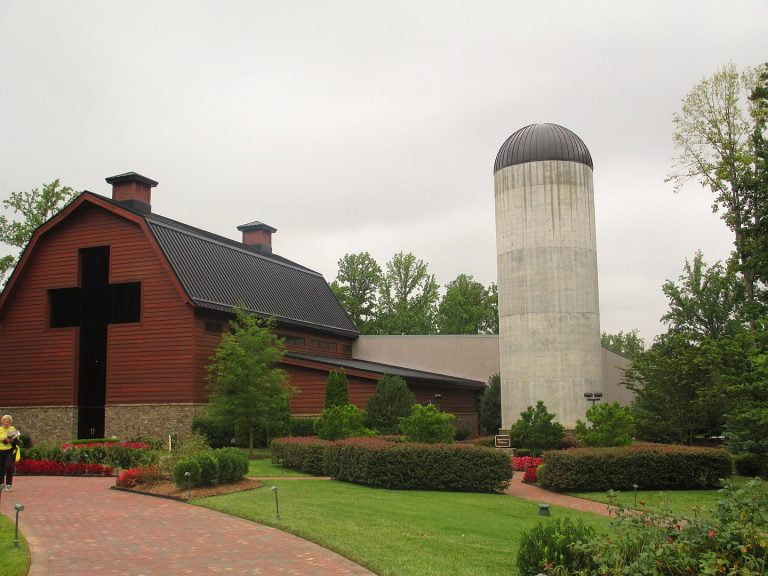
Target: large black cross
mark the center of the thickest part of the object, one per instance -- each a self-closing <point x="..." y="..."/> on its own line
<point x="92" y="306"/>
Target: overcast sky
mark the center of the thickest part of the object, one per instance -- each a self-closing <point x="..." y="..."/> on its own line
<point x="356" y="126"/>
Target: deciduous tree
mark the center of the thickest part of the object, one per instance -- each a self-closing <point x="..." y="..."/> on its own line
<point x="628" y="344"/>
<point x="717" y="135"/>
<point x="246" y="387"/>
<point x="468" y="307"/>
<point x="409" y="296"/>
<point x="30" y="209"/>
<point x="356" y="286"/>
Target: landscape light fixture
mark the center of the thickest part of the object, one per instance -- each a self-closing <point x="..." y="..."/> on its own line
<point x="188" y="476"/>
<point x="19" y="508"/>
<point x="593" y="397"/>
<point x="635" y="486"/>
<point x="277" y="505"/>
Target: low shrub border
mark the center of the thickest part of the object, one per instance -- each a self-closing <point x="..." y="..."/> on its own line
<point x="398" y="465"/>
<point x="651" y="466"/>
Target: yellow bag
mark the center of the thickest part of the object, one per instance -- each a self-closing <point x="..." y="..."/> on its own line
<point x="18" y="453"/>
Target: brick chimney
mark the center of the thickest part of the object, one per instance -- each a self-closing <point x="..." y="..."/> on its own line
<point x="133" y="190"/>
<point x="258" y="235"/>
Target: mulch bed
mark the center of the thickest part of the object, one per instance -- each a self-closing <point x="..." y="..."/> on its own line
<point x="168" y="489"/>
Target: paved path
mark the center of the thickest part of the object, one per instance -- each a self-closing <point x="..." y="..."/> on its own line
<point x="530" y="492"/>
<point x="79" y="526"/>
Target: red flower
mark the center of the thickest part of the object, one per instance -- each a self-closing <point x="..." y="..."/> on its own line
<point x="711" y="533"/>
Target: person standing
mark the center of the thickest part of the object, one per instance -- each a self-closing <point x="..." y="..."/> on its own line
<point x="9" y="443"/>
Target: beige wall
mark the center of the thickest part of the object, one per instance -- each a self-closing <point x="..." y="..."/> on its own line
<point x="612" y="371"/>
<point x="468" y="356"/>
<point x="472" y="357"/>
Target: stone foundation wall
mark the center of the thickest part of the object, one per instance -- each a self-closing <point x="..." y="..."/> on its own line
<point x="153" y="420"/>
<point x="50" y="423"/>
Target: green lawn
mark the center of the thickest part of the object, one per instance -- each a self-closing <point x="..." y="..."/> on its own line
<point x="13" y="561"/>
<point x="686" y="502"/>
<point x="263" y="468"/>
<point x="393" y="532"/>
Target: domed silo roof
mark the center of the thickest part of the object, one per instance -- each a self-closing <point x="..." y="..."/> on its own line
<point x="542" y="142"/>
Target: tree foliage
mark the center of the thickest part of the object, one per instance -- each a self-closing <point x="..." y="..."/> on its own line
<point x="490" y="406"/>
<point x="336" y="389"/>
<point x="682" y="381"/>
<point x="246" y="387"/>
<point x="628" y="344"/>
<point x="427" y="424"/>
<point x="536" y="429"/>
<point x="719" y="139"/>
<point x="341" y="421"/>
<point x="468" y="307"/>
<point x="391" y="401"/>
<point x="609" y="425"/>
<point x="409" y="297"/>
<point x="32" y="209"/>
<point x="405" y="298"/>
<point x="356" y="286"/>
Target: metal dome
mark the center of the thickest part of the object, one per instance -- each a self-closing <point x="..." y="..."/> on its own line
<point x="542" y="142"/>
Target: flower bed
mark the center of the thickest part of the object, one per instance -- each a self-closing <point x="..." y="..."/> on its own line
<point x="523" y="463"/>
<point x="51" y="468"/>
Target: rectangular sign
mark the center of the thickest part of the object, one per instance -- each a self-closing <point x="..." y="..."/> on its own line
<point x="502" y="441"/>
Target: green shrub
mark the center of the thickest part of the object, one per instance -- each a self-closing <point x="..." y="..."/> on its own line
<point x="209" y="468"/>
<point x="650" y="466"/>
<point x="536" y="429"/>
<point x="217" y="434"/>
<point x="553" y="542"/>
<point x="428" y="424"/>
<point x="336" y="389"/>
<point x="263" y="435"/>
<point x="462" y="434"/>
<point x="748" y="464"/>
<point x="405" y="466"/>
<point x="611" y="425"/>
<point x="341" y="422"/>
<point x="187" y="449"/>
<point x="731" y="539"/>
<point x="490" y="406"/>
<point x="233" y="464"/>
<point x="180" y="469"/>
<point x="391" y="401"/>
<point x="302" y="454"/>
<point x="302" y="426"/>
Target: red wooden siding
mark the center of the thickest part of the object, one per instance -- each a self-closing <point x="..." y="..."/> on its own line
<point x="310" y="389"/>
<point x="205" y="345"/>
<point x="147" y="362"/>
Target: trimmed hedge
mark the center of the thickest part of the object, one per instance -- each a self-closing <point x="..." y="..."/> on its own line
<point x="233" y="464"/>
<point x="650" y="466"/>
<point x="304" y="454"/>
<point x="397" y="465"/>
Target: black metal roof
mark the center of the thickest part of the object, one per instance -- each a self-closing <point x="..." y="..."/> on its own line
<point x="542" y="142"/>
<point x="376" y="368"/>
<point x="218" y="273"/>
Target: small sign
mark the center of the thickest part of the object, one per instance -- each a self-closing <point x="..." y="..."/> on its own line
<point x="502" y="441"/>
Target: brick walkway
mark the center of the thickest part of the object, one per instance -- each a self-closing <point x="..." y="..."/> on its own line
<point x="80" y="526"/>
<point x="530" y="492"/>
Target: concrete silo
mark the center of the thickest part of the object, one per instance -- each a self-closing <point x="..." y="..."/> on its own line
<point x="549" y="318"/>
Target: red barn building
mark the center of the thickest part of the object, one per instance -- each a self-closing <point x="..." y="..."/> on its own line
<point x="109" y="320"/>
